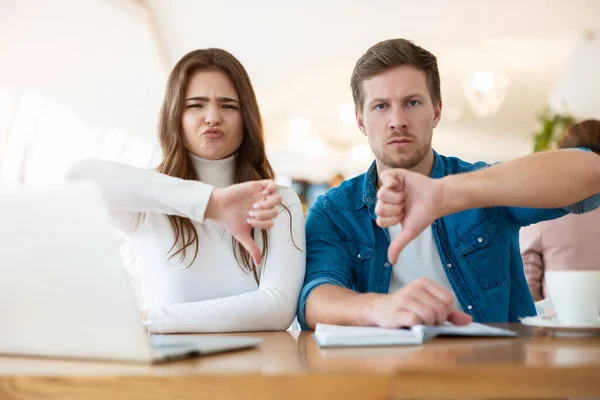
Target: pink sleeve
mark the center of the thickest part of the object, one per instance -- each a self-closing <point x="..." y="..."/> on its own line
<point x="533" y="260"/>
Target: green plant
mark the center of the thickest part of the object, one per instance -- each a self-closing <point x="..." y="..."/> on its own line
<point x="551" y="126"/>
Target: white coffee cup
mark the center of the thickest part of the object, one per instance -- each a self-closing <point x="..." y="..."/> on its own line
<point x="575" y="296"/>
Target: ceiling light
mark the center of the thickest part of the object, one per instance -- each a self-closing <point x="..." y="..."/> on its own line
<point x="483" y="81"/>
<point x="485" y="91"/>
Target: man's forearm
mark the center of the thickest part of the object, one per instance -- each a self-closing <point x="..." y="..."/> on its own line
<point x="330" y="304"/>
<point x="543" y="180"/>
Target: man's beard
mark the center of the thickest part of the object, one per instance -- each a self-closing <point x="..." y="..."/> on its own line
<point x="400" y="160"/>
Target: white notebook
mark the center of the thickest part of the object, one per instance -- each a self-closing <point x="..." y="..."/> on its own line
<point x="359" y="336"/>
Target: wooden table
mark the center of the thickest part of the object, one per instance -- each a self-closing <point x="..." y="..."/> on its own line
<point x="290" y="365"/>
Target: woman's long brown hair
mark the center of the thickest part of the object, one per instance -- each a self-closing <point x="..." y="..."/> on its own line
<point x="582" y="134"/>
<point x="250" y="162"/>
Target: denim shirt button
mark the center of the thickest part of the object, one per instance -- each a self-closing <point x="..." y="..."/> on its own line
<point x="449" y="265"/>
<point x="387" y="265"/>
<point x="470" y="307"/>
<point x="358" y="255"/>
<point x="480" y="240"/>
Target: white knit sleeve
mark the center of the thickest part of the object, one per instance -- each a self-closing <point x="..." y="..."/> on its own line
<point x="271" y="307"/>
<point x="130" y="192"/>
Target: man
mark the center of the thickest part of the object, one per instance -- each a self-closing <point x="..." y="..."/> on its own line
<point x="439" y="241"/>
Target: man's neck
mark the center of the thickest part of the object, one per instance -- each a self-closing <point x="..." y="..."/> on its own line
<point x="424" y="167"/>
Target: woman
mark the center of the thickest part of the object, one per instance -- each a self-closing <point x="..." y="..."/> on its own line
<point x="193" y="243"/>
<point x="569" y="242"/>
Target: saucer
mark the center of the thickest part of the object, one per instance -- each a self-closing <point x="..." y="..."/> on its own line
<point x="550" y="322"/>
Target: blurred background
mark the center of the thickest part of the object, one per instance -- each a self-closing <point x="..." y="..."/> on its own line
<point x="85" y="78"/>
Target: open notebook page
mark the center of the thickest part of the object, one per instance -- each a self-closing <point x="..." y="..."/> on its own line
<point x="336" y="335"/>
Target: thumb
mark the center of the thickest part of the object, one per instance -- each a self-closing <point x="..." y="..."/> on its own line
<point x="398" y="244"/>
<point x="394" y="177"/>
<point x="460" y="318"/>
<point x="247" y="241"/>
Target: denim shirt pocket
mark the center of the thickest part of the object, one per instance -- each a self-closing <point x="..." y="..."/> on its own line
<point x="485" y="251"/>
<point x="362" y="255"/>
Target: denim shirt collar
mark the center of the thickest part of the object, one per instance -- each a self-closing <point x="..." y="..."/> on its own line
<point x="369" y="189"/>
<point x="439" y="170"/>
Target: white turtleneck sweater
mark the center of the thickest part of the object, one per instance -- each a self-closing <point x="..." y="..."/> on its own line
<point x="213" y="294"/>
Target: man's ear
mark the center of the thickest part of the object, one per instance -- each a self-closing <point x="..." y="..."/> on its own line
<point x="437" y="113"/>
<point x="360" y="123"/>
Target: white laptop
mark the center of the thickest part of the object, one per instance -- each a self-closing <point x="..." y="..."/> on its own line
<point x="64" y="291"/>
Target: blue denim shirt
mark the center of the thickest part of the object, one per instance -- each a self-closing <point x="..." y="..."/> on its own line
<point x="479" y="248"/>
